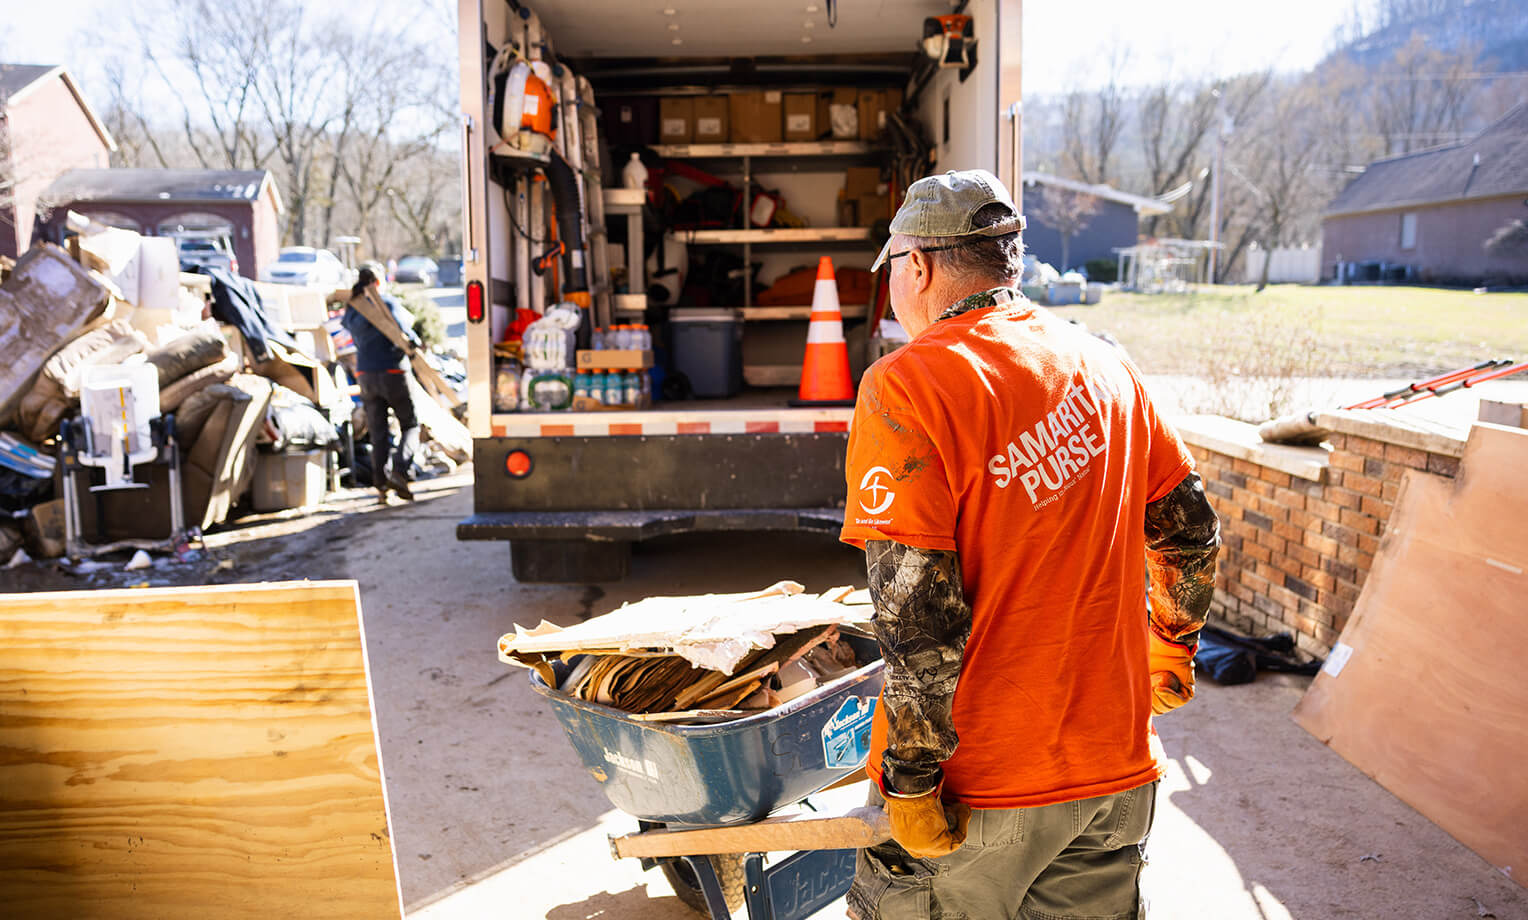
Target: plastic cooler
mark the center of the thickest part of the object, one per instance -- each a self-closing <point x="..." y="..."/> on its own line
<point x="708" y="349"/>
<point x="728" y="772"/>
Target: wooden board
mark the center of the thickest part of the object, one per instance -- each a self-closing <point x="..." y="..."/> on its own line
<point x="861" y="827"/>
<point x="1433" y="702"/>
<point x="190" y="752"/>
<point x="369" y="305"/>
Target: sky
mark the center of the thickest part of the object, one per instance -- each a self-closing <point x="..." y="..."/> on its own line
<point x="1180" y="39"/>
<point x="1066" y="42"/>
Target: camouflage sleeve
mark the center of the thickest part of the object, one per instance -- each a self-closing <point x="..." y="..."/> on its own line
<point x="1182" y="538"/>
<point x="922" y="622"/>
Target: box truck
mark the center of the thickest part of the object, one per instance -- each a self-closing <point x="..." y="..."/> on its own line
<point x="769" y="135"/>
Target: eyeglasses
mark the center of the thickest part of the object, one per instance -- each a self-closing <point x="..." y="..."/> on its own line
<point x="898" y="255"/>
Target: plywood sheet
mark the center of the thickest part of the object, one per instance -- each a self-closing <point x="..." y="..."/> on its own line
<point x="190" y="752"/>
<point x="1432" y="701"/>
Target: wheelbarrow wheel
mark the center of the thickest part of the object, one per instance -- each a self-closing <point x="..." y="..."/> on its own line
<point x="729" y="871"/>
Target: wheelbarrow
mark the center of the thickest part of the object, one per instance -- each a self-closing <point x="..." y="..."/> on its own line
<point x="703" y="794"/>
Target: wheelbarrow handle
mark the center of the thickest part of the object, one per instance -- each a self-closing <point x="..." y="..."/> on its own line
<point x="860" y="827"/>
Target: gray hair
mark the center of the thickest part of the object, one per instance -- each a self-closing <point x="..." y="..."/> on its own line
<point x="998" y="258"/>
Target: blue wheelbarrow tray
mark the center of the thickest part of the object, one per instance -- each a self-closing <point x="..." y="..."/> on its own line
<point x="725" y="773"/>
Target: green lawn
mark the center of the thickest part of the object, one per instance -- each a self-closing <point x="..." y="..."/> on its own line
<point x="1295" y="330"/>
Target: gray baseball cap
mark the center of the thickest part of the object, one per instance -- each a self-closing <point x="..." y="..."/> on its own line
<point x="943" y="206"/>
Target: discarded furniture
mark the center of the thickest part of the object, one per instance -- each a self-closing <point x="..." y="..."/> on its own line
<point x="47" y="301"/>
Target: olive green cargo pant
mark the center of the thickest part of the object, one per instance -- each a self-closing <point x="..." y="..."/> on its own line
<point x="1071" y="861"/>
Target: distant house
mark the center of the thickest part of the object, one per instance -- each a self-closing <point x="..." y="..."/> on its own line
<point x="1114" y="224"/>
<point x="1428" y="215"/>
<point x="242" y="204"/>
<point x="46" y="129"/>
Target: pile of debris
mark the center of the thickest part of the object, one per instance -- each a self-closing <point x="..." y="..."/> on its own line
<point x="708" y="658"/>
<point x="248" y="377"/>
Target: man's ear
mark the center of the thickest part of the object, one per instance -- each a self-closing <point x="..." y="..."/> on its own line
<point x="922" y="267"/>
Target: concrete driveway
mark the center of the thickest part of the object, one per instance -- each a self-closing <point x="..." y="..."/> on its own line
<point x="494" y="817"/>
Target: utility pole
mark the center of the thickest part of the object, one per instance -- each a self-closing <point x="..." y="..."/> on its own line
<point x="1220" y="143"/>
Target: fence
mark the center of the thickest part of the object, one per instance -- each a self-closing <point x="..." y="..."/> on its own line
<point x="1290" y="265"/>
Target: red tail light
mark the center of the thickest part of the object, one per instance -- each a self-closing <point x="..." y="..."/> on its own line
<point x="475" y="310"/>
<point x="518" y="464"/>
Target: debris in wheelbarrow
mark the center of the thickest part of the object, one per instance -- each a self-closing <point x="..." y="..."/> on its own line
<point x="715" y="631"/>
<point x="699" y="659"/>
<point x="671" y="689"/>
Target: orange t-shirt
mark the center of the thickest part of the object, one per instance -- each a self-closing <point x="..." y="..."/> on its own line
<point x="1029" y="447"/>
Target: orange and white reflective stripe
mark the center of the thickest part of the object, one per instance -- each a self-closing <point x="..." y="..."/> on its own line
<point x="657" y="423"/>
<point x="827" y="321"/>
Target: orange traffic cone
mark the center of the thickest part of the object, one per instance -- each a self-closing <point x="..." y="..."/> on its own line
<point x="825" y="372"/>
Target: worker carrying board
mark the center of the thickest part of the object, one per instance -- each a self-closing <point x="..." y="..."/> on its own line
<point x="1012" y="484"/>
<point x="383" y="369"/>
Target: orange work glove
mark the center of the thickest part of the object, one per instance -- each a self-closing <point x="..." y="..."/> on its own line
<point x="1172" y="674"/>
<point x="925" y="826"/>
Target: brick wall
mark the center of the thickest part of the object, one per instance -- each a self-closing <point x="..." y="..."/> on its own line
<point x="1300" y="526"/>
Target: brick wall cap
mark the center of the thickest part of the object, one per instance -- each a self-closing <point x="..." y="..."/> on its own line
<point x="1391" y="426"/>
<point x="1238" y="439"/>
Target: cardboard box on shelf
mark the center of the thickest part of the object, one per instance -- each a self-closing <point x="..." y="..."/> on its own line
<point x="871" y="208"/>
<point x="711" y="120"/>
<point x="848" y="212"/>
<point x="676" y="120"/>
<point x="872" y="113"/>
<point x="843" y="118"/>
<point x="801" y="117"/>
<point x="757" y="117"/>
<point x="614" y="360"/>
<point x="631" y="120"/>
<point x="863" y="180"/>
<point x="822" y="114"/>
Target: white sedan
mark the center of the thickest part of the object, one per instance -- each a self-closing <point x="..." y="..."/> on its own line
<point x="308" y="266"/>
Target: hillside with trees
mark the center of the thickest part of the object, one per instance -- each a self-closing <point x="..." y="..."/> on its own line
<point x="1403" y="75"/>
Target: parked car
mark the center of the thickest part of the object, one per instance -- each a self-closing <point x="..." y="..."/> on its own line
<point x="417" y="270"/>
<point x="306" y="265"/>
<point x="213" y="251"/>
<point x="450" y="272"/>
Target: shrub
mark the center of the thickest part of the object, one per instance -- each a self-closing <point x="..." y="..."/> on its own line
<point x="1104" y="271"/>
<point x="428" y="323"/>
<point x="1262" y="363"/>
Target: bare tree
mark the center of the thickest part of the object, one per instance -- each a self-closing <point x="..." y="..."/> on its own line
<point x="1175" y="120"/>
<point x="395" y="117"/>
<point x="1068" y="211"/>
<point x="10" y="172"/>
<point x="208" y="56"/>
<point x="1422" y="99"/>
<point x="1240" y="98"/>
<point x="1093" y="121"/>
<point x="293" y="88"/>
<point x="1284" y="144"/>
<point x="424" y="202"/>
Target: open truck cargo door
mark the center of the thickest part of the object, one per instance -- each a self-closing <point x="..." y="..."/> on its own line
<point x="768" y="138"/>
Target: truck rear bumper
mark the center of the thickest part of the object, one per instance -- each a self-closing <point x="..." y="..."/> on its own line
<point x="633" y="526"/>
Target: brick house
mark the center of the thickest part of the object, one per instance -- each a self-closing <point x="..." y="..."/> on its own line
<point x="46" y="129"/>
<point x="1115" y="225"/>
<point x="1426" y="216"/>
<point x="241" y="203"/>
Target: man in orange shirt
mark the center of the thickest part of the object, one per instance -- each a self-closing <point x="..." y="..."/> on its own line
<point x="1012" y="485"/>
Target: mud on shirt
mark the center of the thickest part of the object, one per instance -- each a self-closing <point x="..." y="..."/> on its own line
<point x="1029" y="448"/>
